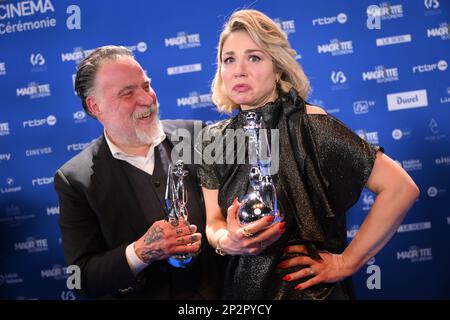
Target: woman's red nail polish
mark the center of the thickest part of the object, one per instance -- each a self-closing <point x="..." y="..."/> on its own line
<point x="287" y="278"/>
<point x="270" y="218"/>
<point x="286" y="249"/>
<point x="281" y="225"/>
<point x="235" y="201"/>
<point x="298" y="287"/>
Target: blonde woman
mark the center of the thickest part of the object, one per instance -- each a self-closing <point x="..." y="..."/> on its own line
<point x="323" y="168"/>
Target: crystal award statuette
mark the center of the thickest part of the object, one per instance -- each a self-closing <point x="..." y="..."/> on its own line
<point x="177" y="212"/>
<point x="262" y="201"/>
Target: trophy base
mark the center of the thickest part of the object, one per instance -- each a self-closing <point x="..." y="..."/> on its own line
<point x="180" y="261"/>
<point x="253" y="209"/>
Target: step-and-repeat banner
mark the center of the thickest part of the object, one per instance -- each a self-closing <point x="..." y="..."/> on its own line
<point x="381" y="68"/>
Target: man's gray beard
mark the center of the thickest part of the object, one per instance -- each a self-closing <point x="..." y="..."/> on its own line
<point x="150" y="135"/>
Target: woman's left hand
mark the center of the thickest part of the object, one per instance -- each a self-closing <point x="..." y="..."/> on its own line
<point x="332" y="267"/>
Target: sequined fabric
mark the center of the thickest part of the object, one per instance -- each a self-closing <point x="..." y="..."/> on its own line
<point x="323" y="168"/>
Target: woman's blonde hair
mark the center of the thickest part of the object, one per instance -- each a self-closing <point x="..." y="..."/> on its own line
<point x="271" y="39"/>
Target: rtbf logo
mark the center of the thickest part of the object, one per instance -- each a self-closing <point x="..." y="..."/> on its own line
<point x="441" y="65"/>
<point x="50" y="120"/>
<point x="341" y="18"/>
<point x="42" y="181"/>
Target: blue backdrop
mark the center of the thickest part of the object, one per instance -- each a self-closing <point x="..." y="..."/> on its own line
<point x="382" y="71"/>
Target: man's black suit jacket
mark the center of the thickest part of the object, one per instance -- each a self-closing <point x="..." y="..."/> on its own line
<point x="100" y="215"/>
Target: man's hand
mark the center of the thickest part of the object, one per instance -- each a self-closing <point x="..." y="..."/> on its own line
<point x="163" y="240"/>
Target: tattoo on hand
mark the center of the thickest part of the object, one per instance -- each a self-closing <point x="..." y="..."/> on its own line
<point x="193" y="238"/>
<point x="154" y="234"/>
<point x="179" y="231"/>
<point x="151" y="255"/>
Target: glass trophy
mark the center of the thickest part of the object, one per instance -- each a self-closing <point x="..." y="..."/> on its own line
<point x="262" y="200"/>
<point x="176" y="204"/>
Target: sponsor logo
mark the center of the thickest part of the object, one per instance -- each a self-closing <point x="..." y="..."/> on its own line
<point x="362" y="106"/>
<point x="411" y="165"/>
<point x="37" y="61"/>
<point x="51" y="211"/>
<point x="336" y="47"/>
<point x="434" y="191"/>
<point x="38" y="151"/>
<point x="386" y="11"/>
<point x="431" y="4"/>
<point x="338" y="77"/>
<point x="381" y="74"/>
<point x="78" y="53"/>
<point x="432" y="7"/>
<point x="34" y="90"/>
<point x="444" y="160"/>
<point x="436" y="133"/>
<point x="339" y="80"/>
<point x="403" y="38"/>
<point x="184" y="40"/>
<point x="41" y="181"/>
<point x="32" y="245"/>
<point x="407" y="100"/>
<point x="195" y="100"/>
<point x="441" y="65"/>
<point x="351" y="233"/>
<point x="442" y="31"/>
<point x="10" y="186"/>
<point x="340" y="18"/>
<point x="288" y="26"/>
<point x="442" y="100"/>
<point x="5" y="157"/>
<point x="415" y="226"/>
<point x="79" y="116"/>
<point x="2" y="68"/>
<point x="184" y="69"/>
<point x="14" y="217"/>
<point x="398" y="134"/>
<point x="4" y="129"/>
<point x="415" y="254"/>
<point x="56" y="272"/>
<point x="367" y="199"/>
<point x="370" y="137"/>
<point x="50" y="120"/>
<point x="67" y="295"/>
<point x="78" y="146"/>
<point x="10" y="278"/>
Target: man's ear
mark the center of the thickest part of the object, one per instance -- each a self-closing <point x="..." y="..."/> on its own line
<point x="93" y="107"/>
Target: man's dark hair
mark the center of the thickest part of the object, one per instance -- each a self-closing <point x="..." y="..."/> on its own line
<point x="88" y="68"/>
